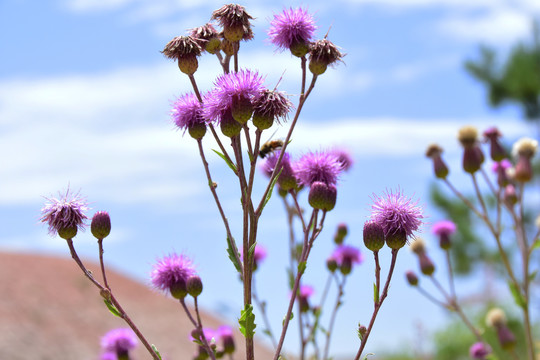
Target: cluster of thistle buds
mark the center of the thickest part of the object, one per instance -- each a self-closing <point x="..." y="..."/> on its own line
<point x="508" y="173"/>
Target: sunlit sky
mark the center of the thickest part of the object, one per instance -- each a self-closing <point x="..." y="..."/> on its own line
<point x="85" y="99"/>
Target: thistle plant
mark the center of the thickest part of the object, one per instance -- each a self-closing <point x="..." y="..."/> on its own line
<point x="236" y="113"/>
<point x="506" y="189"/>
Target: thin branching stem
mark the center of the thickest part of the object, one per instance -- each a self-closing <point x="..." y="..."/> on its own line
<point x="339" y="296"/>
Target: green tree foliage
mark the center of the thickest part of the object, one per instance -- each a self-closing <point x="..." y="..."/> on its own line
<point x="517" y="81"/>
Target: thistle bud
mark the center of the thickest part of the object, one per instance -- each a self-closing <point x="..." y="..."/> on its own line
<point x="101" y="225"/>
<point x="412" y="279"/>
<point x="440" y="169"/>
<point x="331" y="264"/>
<point x="67" y="232"/>
<point x="524" y="150"/>
<point x="397" y="239"/>
<point x="418" y="246"/>
<point x="496" y="151"/>
<point x="178" y="289"/>
<point x="340" y="234"/>
<point x="426" y="265"/>
<point x="194" y="286"/>
<point x="241" y="109"/>
<point x="472" y="154"/>
<point x="322" y="196"/>
<point x="373" y="236"/>
<point x="229" y="126"/>
<point x="510" y="196"/>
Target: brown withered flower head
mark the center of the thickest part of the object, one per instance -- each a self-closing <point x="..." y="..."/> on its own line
<point x="207" y="37"/>
<point x="321" y="54"/>
<point x="235" y="22"/>
<point x="185" y="50"/>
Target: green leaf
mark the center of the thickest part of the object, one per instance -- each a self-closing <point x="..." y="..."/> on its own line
<point x="292" y="317"/>
<point x="290" y="276"/>
<point x="156" y="351"/>
<point x="251" y="250"/>
<point x="250" y="157"/>
<point x="533" y="275"/>
<point x="536" y="245"/>
<point x="229" y="163"/>
<point x="232" y="256"/>
<point x="302" y="267"/>
<point x="365" y="358"/>
<point x="518" y="297"/>
<point x="112" y="308"/>
<point x="247" y="322"/>
<point x="375" y="293"/>
<point x="269" y="195"/>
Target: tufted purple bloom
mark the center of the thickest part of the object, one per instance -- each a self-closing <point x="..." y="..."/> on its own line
<point x="444" y="227"/>
<point x="108" y="356"/>
<point x="398" y="215"/>
<point x="345" y="158"/>
<point x="171" y="271"/>
<point x="479" y="351"/>
<point x="347" y="253"/>
<point x="187" y="111"/>
<point x="501" y="166"/>
<point x="287" y="178"/>
<point x="119" y="341"/>
<point x="306" y="291"/>
<point x="318" y="166"/>
<point x="65" y="215"/>
<point x="291" y="27"/>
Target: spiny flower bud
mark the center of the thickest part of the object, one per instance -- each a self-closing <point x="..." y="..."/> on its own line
<point x="412" y="279"/>
<point x="67" y="232"/>
<point x="194" y="286"/>
<point x="426" y="265"/>
<point x="331" y="264"/>
<point x="101" y="225"/>
<point x="373" y="236"/>
<point x="496" y="152"/>
<point x="241" y="109"/>
<point x="340" y="234"/>
<point x="322" y="196"/>
<point x="178" y="288"/>
<point x="397" y="239"/>
<point x="229" y="126"/>
<point x="472" y="154"/>
<point x="440" y="169"/>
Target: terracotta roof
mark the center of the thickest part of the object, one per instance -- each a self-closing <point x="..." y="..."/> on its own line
<point x="49" y="310"/>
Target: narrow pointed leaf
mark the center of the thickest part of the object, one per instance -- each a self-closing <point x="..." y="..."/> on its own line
<point x="112" y="308"/>
<point x="229" y="163"/>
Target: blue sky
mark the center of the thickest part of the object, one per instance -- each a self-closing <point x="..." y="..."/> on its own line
<point x="85" y="96"/>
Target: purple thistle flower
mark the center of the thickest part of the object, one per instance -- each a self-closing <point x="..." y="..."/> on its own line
<point x="171" y="272"/>
<point x="187" y="113"/>
<point x="225" y="334"/>
<point x="346" y="256"/>
<point x="318" y="166"/>
<point x="345" y="158"/>
<point x="287" y="178"/>
<point x="119" y="341"/>
<point x="291" y="28"/>
<point x="479" y="351"/>
<point x="244" y="83"/>
<point x="65" y="215"/>
<point x="501" y="166"/>
<point x="306" y="291"/>
<point x="398" y="215"/>
<point x="347" y="253"/>
<point x="444" y="227"/>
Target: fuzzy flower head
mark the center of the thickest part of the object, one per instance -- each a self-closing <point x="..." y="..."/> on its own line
<point x="345" y="158"/>
<point x="234" y="92"/>
<point x="444" y="227"/>
<point x="502" y="165"/>
<point x="292" y="29"/>
<point x="323" y="53"/>
<point x="398" y="215"/>
<point x="65" y="215"/>
<point x="187" y="114"/>
<point x="346" y="256"/>
<point x="287" y="179"/>
<point x="171" y="273"/>
<point x="268" y="106"/>
<point x="119" y="341"/>
<point x="207" y="37"/>
<point x="235" y="22"/>
<point x="318" y="166"/>
<point x="479" y="351"/>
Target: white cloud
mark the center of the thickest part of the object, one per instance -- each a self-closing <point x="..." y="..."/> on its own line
<point x="503" y="25"/>
<point x="110" y="133"/>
